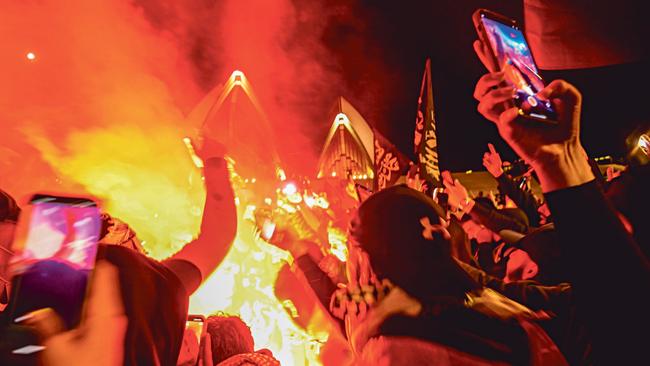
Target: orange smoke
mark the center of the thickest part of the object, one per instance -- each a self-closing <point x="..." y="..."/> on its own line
<point x="98" y="67"/>
<point x="277" y="44"/>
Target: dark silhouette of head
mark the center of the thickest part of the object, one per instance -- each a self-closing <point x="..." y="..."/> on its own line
<point x="409" y="242"/>
<point x="229" y="336"/>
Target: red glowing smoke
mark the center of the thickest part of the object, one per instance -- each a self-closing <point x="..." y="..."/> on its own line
<point x="100" y="103"/>
<point x="104" y="65"/>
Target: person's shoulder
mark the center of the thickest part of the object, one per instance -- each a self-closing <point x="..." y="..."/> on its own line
<point x="187" y="273"/>
<point x="122" y="257"/>
<point x="178" y="273"/>
<point x="133" y="264"/>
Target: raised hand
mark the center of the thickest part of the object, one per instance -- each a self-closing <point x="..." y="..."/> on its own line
<point x="554" y="151"/>
<point x="612" y="173"/>
<point x="458" y="197"/>
<point x="210" y="148"/>
<point x="492" y="162"/>
<point x="287" y="230"/>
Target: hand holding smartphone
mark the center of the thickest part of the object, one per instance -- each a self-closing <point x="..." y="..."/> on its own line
<point x="55" y="250"/>
<point x="192" y="341"/>
<point x="508" y="52"/>
<point x="196" y="323"/>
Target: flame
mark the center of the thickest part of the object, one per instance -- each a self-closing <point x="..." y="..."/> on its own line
<point x="290" y="189"/>
<point x="132" y="183"/>
<point x="244" y="285"/>
<point x="338" y="243"/>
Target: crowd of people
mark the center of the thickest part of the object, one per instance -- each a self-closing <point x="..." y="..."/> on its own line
<point x="554" y="280"/>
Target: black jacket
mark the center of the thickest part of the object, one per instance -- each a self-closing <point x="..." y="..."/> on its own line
<point x="609" y="275"/>
<point x="524" y="199"/>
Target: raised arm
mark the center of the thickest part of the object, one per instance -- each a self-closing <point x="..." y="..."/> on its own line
<point x="524" y="199"/>
<point x="537" y="297"/>
<point x="219" y="223"/>
<point x="609" y="275"/>
<point x="494" y="220"/>
<point x="460" y="201"/>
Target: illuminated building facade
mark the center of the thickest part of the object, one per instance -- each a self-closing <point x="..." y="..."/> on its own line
<point x="349" y="148"/>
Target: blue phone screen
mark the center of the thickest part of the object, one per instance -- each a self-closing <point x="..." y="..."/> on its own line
<point x="515" y="59"/>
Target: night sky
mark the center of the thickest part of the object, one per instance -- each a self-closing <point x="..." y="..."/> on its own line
<point x="144" y="65"/>
<point x="382" y="46"/>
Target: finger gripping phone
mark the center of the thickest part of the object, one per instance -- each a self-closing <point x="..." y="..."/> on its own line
<point x="55" y="250"/>
<point x="510" y="53"/>
<point x="196" y="323"/>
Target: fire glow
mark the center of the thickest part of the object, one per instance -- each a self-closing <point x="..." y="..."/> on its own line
<point x="98" y="104"/>
<point x="244" y="284"/>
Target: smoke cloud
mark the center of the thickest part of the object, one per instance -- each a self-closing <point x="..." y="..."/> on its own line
<point x="96" y="93"/>
<point x="91" y="102"/>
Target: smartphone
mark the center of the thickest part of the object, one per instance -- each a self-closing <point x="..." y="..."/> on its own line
<point x="54" y="254"/>
<point x="510" y="53"/>
<point x="196" y="323"/>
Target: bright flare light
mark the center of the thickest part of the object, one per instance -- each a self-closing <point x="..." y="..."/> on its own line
<point x="289" y="189"/>
<point x="310" y="201"/>
<point x="338" y="243"/>
<point x="644" y="144"/>
<point x="31" y="56"/>
<point x="244" y="285"/>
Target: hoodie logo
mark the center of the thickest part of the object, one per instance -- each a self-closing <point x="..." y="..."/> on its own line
<point x="429" y="229"/>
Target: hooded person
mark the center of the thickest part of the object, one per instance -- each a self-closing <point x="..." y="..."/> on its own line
<point x="484" y="224"/>
<point x="542" y="247"/>
<point x="409" y="302"/>
<point x="536" y="256"/>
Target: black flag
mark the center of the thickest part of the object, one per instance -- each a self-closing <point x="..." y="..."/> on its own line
<point x="390" y="163"/>
<point x="425" y="142"/>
